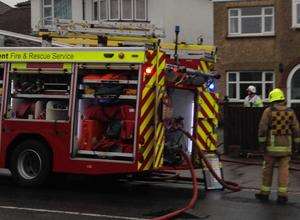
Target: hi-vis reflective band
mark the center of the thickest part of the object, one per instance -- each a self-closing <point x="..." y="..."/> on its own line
<point x="297" y="140"/>
<point x="279" y="149"/>
<point x="282" y="189"/>
<point x="105" y="55"/>
<point x="262" y="139"/>
<point x="265" y="188"/>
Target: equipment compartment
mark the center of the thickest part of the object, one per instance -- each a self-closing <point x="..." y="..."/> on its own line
<point x="38" y="94"/>
<point x="105" y="118"/>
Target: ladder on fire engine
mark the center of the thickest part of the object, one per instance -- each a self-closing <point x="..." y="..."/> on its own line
<point x="120" y="34"/>
<point x="30" y="38"/>
<point x="87" y="34"/>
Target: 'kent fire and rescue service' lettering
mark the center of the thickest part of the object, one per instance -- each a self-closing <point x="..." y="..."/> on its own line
<point x="36" y="56"/>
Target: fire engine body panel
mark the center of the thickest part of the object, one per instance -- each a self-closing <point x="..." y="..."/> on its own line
<point x="81" y="69"/>
<point x="100" y="110"/>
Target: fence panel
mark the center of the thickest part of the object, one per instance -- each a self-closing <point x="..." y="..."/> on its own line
<point x="241" y="127"/>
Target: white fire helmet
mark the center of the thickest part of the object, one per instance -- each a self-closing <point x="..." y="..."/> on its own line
<point x="251" y="89"/>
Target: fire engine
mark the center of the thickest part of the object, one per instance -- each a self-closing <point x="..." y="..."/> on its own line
<point x="102" y="110"/>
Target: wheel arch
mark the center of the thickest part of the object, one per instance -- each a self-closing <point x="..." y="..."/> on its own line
<point x="21" y="138"/>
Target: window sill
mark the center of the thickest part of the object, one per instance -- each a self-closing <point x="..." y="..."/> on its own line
<point x="250" y="35"/>
<point x="243" y="100"/>
<point x="296" y="26"/>
<point x="121" y="21"/>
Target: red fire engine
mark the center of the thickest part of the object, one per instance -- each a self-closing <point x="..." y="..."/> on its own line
<point x="90" y="111"/>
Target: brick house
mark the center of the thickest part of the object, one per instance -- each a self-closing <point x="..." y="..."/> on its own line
<point x="4" y="7"/>
<point x="16" y="20"/>
<point x="258" y="43"/>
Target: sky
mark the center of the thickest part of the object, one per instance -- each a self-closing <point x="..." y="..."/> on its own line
<point x="11" y="2"/>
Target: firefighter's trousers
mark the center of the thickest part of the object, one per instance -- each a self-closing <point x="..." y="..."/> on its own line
<point x="283" y="174"/>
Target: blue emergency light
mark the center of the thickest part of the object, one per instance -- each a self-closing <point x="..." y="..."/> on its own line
<point x="211" y="85"/>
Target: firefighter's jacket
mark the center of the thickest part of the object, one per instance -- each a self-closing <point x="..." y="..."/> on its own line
<point x="278" y="129"/>
<point x="254" y="101"/>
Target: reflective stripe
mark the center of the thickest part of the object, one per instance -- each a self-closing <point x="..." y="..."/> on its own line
<point x="282" y="189"/>
<point x="279" y="149"/>
<point x="272" y="140"/>
<point x="262" y="139"/>
<point x="265" y="188"/>
<point x="297" y="140"/>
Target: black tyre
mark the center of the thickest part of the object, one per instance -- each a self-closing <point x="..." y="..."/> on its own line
<point x="30" y="163"/>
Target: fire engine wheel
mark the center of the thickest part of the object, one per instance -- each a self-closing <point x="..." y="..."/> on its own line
<point x="30" y="163"/>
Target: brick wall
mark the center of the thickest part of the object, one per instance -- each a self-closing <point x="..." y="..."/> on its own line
<point x="257" y="53"/>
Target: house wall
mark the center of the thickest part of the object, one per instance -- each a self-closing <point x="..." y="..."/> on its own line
<point x="257" y="53"/>
<point x="195" y="17"/>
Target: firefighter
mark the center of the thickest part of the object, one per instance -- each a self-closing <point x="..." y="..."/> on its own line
<point x="278" y="128"/>
<point x="252" y="99"/>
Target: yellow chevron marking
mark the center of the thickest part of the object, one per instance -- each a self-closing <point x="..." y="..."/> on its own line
<point x="158" y="57"/>
<point x="211" y="100"/>
<point x="202" y="133"/>
<point x="150" y="163"/>
<point x="160" y="146"/>
<point x="204" y="106"/>
<point x="159" y="127"/>
<point x="207" y="125"/>
<point x="160" y="136"/>
<point x="146" y="121"/>
<point x="149" y="132"/>
<point x="204" y="67"/>
<point x="148" y="149"/>
<point x="147" y="104"/>
<point x="152" y="81"/>
<point x="154" y="61"/>
<point x="145" y="91"/>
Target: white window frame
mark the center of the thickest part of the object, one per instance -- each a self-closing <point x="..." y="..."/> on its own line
<point x="263" y="16"/>
<point x="106" y="8"/>
<point x="52" y="12"/>
<point x="132" y="11"/>
<point x="146" y="11"/>
<point x="295" y="24"/>
<point x="93" y="10"/>
<point x="119" y="11"/>
<point x="238" y="83"/>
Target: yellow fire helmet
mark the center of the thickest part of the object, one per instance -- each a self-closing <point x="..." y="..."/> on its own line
<point x="276" y="95"/>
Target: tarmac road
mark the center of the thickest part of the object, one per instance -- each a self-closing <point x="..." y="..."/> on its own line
<point x="77" y="197"/>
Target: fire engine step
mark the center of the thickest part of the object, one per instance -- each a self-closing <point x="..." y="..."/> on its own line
<point x="105" y="155"/>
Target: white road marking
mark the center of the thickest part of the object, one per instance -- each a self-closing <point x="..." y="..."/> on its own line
<point x="70" y="213"/>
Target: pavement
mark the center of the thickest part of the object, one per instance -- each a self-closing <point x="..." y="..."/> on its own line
<point x="85" y="198"/>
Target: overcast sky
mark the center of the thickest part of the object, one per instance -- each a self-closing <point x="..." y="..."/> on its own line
<point x="12" y="2"/>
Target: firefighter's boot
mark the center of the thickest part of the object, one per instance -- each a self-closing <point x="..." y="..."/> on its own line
<point x="262" y="197"/>
<point x="282" y="200"/>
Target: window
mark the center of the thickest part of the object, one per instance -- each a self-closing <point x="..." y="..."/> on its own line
<point x="114" y="9"/>
<point x="251" y="21"/>
<point x="141" y="10"/>
<point x="95" y="10"/>
<point x="103" y="9"/>
<point x="126" y="10"/>
<point x="238" y="82"/>
<point x="296" y="13"/>
<point x="56" y="9"/>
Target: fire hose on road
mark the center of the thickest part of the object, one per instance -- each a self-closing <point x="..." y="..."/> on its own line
<point x="226" y="184"/>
